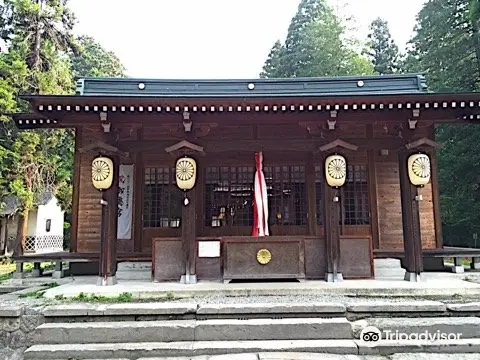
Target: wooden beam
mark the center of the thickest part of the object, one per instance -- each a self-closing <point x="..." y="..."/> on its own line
<point x="410" y="218"/>
<point x="285" y="145"/>
<point x="76" y="190"/>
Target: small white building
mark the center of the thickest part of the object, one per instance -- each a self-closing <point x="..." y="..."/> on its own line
<point x="44" y="229"/>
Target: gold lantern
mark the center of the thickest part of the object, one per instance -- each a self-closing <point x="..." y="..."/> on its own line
<point x="102" y="173"/>
<point x="336" y="170"/>
<point x="186" y="172"/>
<point x="419" y="169"/>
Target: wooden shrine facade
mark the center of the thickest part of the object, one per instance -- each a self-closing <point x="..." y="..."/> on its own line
<point x="374" y="122"/>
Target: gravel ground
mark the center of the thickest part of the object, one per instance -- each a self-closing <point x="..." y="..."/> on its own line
<point x="219" y="299"/>
<point x="12" y="299"/>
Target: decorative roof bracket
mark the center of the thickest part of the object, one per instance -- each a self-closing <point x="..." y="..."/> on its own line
<point x="184" y="147"/>
<point x="332" y="121"/>
<point x="102" y="147"/>
<point x="423" y="142"/>
<point x="412" y="123"/>
<point x="338" y="144"/>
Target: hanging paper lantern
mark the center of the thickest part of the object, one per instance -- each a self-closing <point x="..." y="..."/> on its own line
<point x="336" y="170"/>
<point x="186" y="172"/>
<point x="102" y="173"/>
<point x="419" y="169"/>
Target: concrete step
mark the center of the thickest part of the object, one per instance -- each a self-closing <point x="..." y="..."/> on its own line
<point x="189" y="348"/>
<point x="467" y="327"/>
<point x="189" y="330"/>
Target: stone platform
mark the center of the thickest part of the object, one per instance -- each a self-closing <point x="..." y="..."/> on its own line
<point x="433" y="284"/>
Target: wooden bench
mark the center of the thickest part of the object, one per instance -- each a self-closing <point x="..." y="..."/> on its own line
<point x="456" y="253"/>
<point x="66" y="257"/>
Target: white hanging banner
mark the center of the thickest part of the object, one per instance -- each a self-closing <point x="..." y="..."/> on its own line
<point x="125" y="202"/>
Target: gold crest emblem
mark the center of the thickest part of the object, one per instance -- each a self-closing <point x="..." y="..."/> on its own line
<point x="264" y="256"/>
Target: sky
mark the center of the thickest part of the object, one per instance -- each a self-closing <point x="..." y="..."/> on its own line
<point x="218" y="39"/>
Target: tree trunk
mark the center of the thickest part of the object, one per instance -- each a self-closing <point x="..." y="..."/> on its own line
<point x="475" y="22"/>
<point x="476" y="40"/>
<point x="23" y="218"/>
<point x="21" y="233"/>
<point x="3" y="236"/>
<point x="38" y="39"/>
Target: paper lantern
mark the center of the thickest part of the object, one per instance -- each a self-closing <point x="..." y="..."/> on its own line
<point x="336" y="170"/>
<point x="186" y="172"/>
<point x="419" y="169"/>
<point x="102" y="173"/>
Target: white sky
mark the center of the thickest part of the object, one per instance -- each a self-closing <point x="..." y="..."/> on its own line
<point x="212" y="38"/>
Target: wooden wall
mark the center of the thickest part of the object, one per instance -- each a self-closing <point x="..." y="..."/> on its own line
<point x="386" y="176"/>
<point x="89" y="209"/>
<point x="390" y="207"/>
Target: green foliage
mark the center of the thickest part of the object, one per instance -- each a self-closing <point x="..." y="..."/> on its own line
<point x="383" y="50"/>
<point x="445" y="48"/>
<point x="93" y="298"/>
<point x="316" y="45"/>
<point x="273" y="65"/>
<point x="95" y="61"/>
<point x="41" y="57"/>
<point x="38" y="294"/>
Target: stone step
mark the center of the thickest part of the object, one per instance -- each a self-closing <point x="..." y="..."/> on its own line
<point x="467" y="327"/>
<point x="188" y="348"/>
<point x="189" y="330"/>
<point x="460" y="346"/>
<point x="134" y="271"/>
<point x="387" y="263"/>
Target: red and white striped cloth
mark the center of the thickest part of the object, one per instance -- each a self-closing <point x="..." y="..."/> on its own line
<point x="260" y="202"/>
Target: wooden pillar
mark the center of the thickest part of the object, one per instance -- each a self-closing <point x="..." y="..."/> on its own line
<point x="436" y="199"/>
<point x="372" y="198"/>
<point x="411" y="222"/>
<point x="138" y="203"/>
<point x="108" y="254"/>
<point x="311" y="196"/>
<point x="372" y="190"/>
<point x="189" y="237"/>
<point x="331" y="211"/>
<point x="76" y="190"/>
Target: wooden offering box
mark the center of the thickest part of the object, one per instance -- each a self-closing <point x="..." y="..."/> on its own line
<point x="257" y="258"/>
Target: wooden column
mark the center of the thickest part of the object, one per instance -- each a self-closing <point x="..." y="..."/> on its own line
<point x="436" y="198"/>
<point x="75" y="190"/>
<point x="108" y="263"/>
<point x="372" y="190"/>
<point x="311" y="196"/>
<point x="138" y="203"/>
<point x="372" y="198"/>
<point x="189" y="237"/>
<point x="411" y="222"/>
<point x="331" y="210"/>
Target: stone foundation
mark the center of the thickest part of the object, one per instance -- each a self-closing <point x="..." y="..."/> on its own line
<point x="17" y="326"/>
